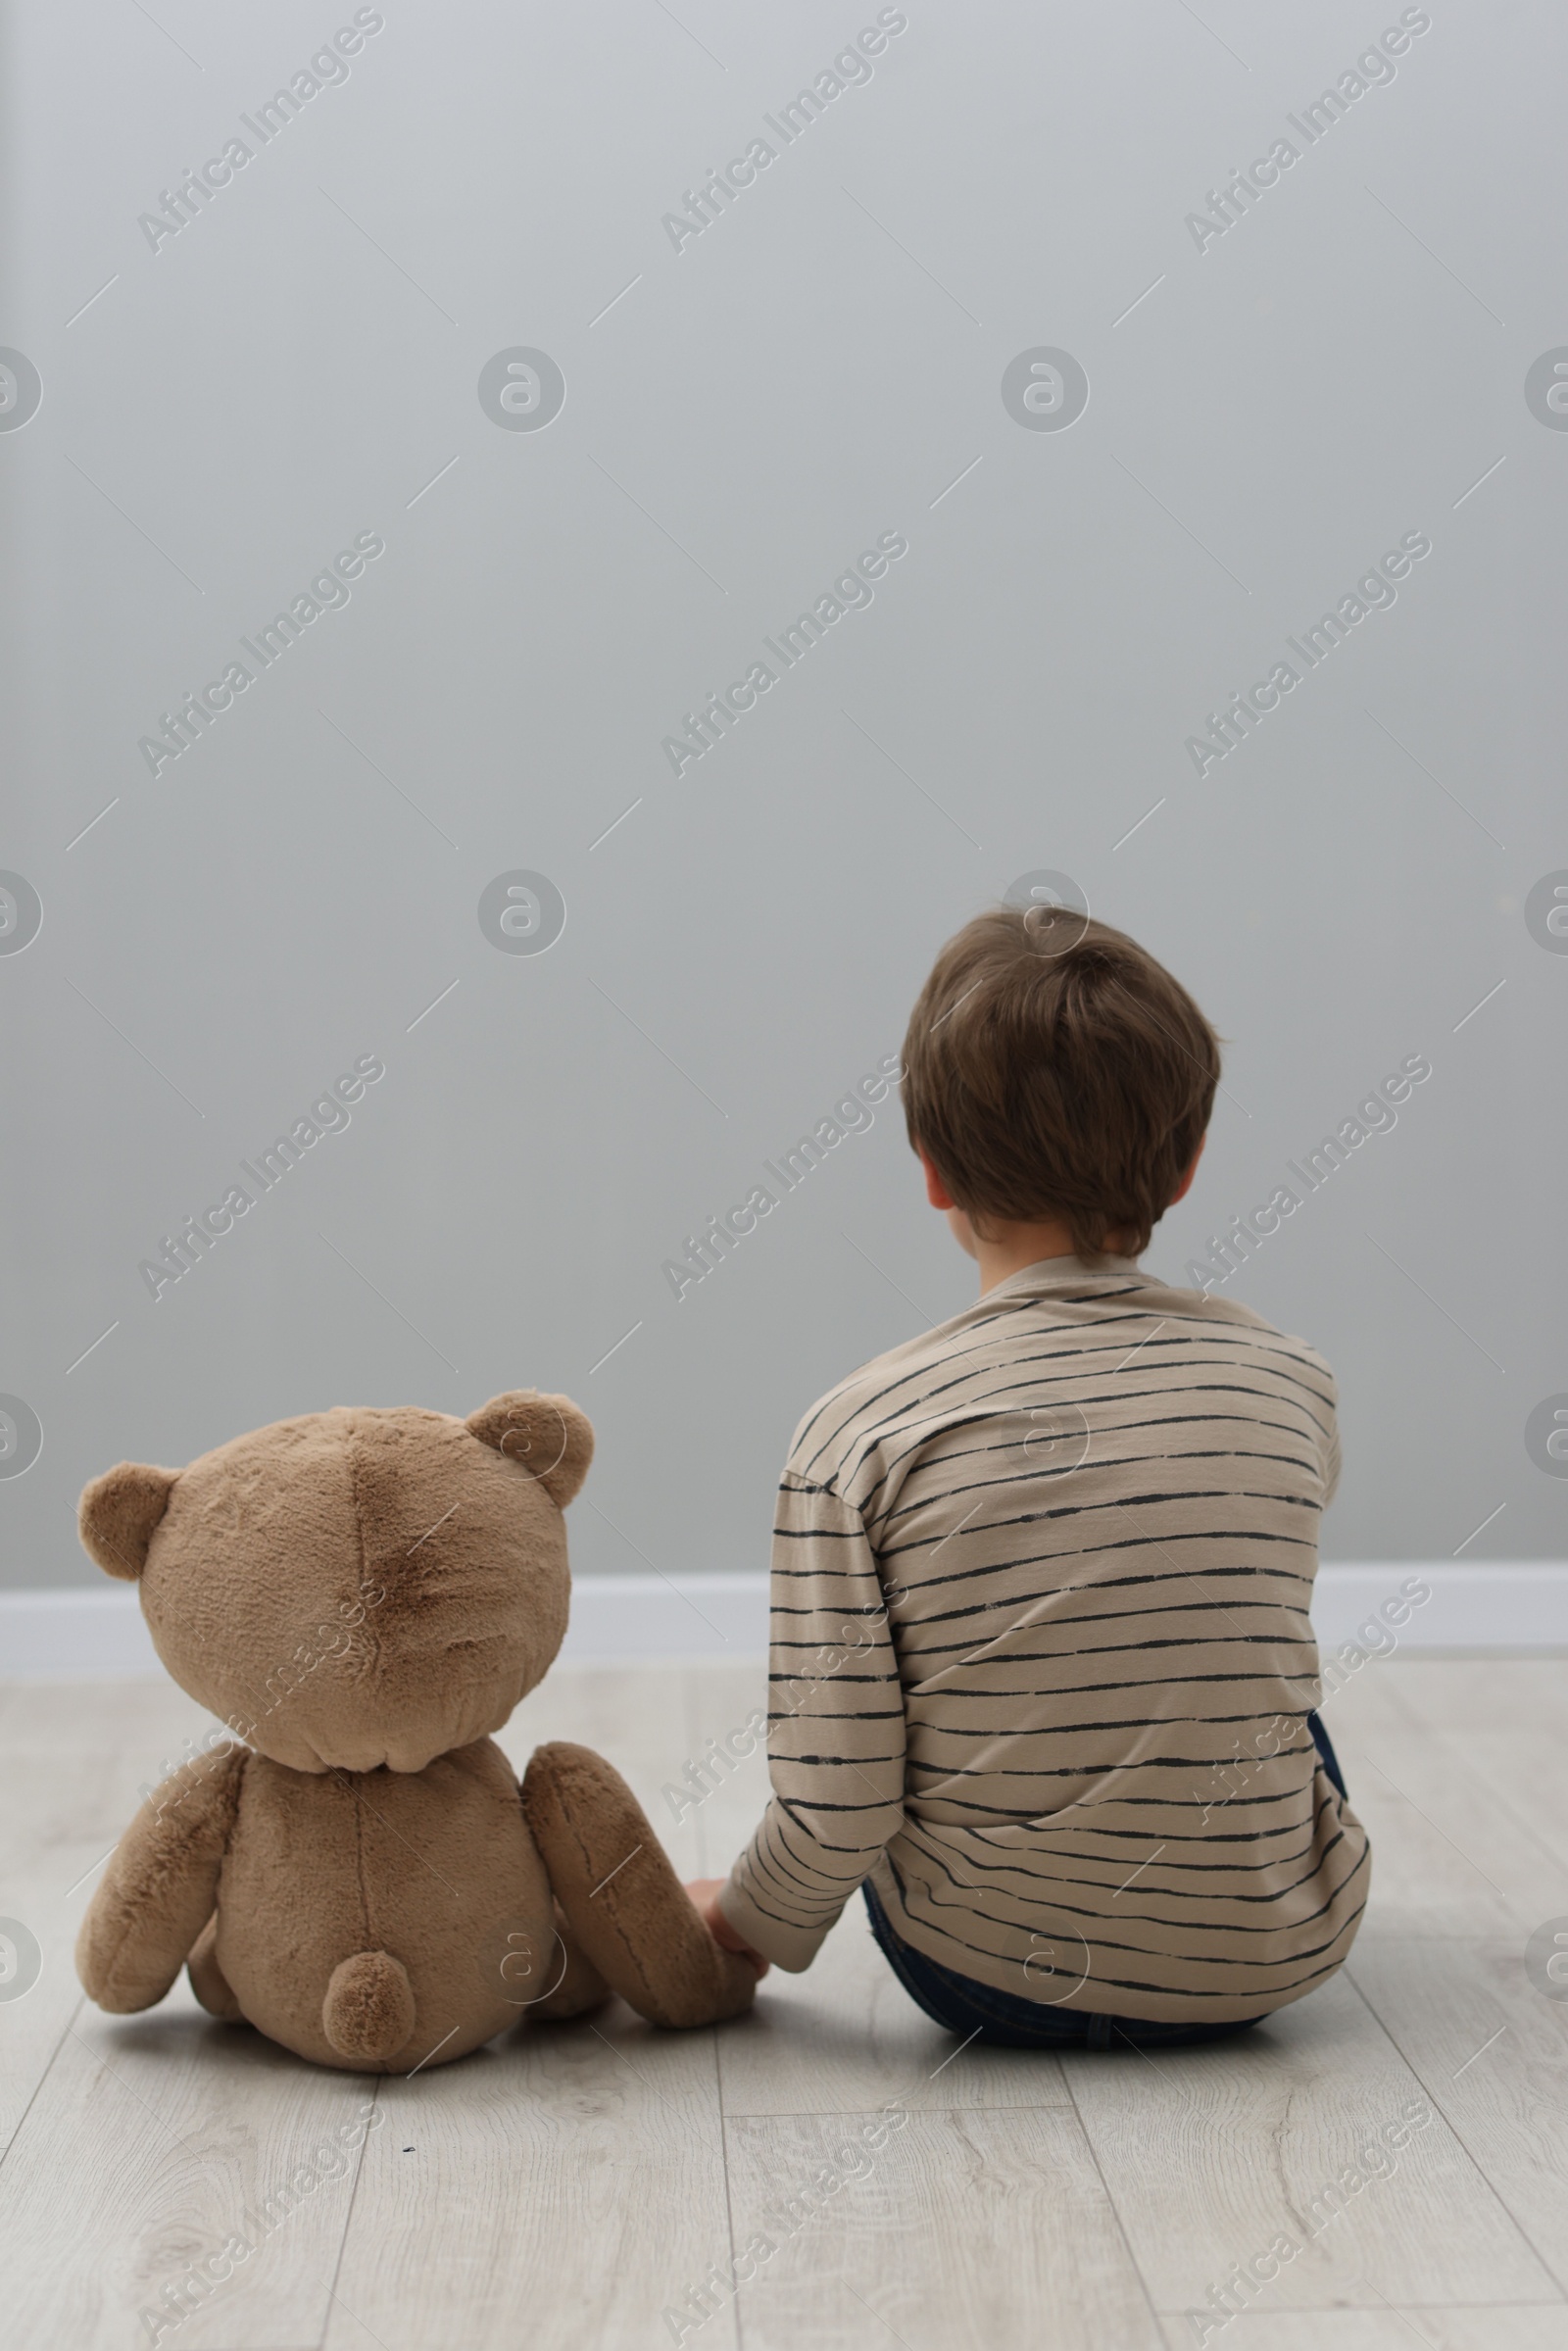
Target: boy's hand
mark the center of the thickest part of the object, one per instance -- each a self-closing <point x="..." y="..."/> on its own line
<point x="705" y="1892"/>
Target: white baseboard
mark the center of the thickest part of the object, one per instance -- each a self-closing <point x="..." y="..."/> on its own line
<point x="84" y="1633"/>
<point x="88" y="1634"/>
<point x="1495" y="1604"/>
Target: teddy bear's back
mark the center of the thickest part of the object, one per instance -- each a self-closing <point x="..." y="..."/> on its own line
<point x="436" y="1869"/>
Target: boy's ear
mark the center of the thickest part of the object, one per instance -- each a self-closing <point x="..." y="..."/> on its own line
<point x="936" y="1190"/>
<point x="119" y="1513"/>
<point x="1184" y="1185"/>
<point x="546" y="1435"/>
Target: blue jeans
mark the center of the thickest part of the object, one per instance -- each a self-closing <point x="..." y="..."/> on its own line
<point x="979" y="2012"/>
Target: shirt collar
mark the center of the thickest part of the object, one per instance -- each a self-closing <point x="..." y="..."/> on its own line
<point x="1054" y="1273"/>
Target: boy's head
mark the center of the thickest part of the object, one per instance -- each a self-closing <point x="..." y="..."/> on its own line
<point x="1055" y="1072"/>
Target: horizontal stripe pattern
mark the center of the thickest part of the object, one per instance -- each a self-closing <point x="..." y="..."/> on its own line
<point x="1041" y="1659"/>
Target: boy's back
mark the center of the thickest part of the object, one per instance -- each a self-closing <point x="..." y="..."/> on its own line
<point x="1063" y="1545"/>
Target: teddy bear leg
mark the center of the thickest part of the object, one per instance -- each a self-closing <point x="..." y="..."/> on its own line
<point x="575" y="1983"/>
<point x="207" y="1979"/>
<point x="628" y="1911"/>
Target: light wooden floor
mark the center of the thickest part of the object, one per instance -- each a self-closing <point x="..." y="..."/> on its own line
<point x="564" y="2189"/>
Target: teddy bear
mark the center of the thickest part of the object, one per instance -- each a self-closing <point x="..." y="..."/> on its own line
<point x="361" y="1597"/>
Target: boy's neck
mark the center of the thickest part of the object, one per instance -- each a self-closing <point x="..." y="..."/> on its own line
<point x="1007" y="1248"/>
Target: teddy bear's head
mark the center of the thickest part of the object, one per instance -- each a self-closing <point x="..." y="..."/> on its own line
<point x="356" y="1588"/>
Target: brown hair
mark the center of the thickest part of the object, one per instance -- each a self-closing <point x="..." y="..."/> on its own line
<point x="1053" y="1069"/>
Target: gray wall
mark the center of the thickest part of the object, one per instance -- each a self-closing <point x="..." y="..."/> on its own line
<point x="816" y="367"/>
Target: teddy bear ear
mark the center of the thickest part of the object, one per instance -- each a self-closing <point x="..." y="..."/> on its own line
<point x="546" y="1435"/>
<point x="118" y="1515"/>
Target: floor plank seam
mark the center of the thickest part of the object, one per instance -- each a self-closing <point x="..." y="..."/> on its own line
<point x="343" y="2240"/>
<point x="729" y="2200"/>
<point x="844" y="2113"/>
<point x="1481" y="2169"/>
<point x="39" y="2085"/>
<point x="1137" y="2267"/>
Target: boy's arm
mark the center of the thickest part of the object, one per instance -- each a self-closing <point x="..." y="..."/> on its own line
<point x="1330" y="1445"/>
<point x="835" y="1732"/>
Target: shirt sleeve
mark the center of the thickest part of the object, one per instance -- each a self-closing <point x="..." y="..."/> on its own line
<point x="1331" y="1449"/>
<point x="835" y="1732"/>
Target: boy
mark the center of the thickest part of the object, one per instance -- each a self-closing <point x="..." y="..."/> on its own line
<point x="1042" y="1665"/>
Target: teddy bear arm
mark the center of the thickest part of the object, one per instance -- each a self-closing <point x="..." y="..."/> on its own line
<point x="627" y="1910"/>
<point x="161" y="1887"/>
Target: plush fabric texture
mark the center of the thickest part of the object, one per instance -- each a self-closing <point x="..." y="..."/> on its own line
<point x="207" y="1979"/>
<point x="369" y="2011"/>
<point x="119" y="1513"/>
<point x="537" y="1435"/>
<point x="363" y="1596"/>
<point x="625" y="1904"/>
<point x="160" y="1887"/>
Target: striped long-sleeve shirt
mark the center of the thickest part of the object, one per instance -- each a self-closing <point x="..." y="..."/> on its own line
<point x="1042" y="1660"/>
